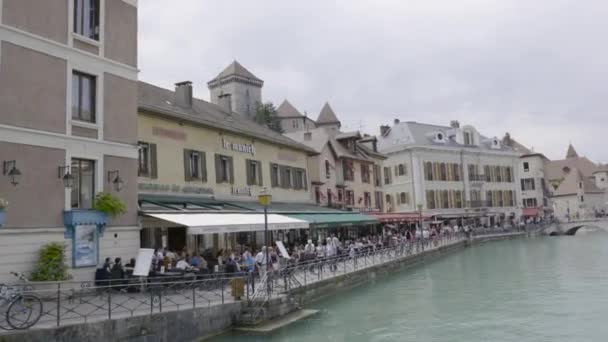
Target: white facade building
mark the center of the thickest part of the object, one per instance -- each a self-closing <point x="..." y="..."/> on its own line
<point x="450" y="171"/>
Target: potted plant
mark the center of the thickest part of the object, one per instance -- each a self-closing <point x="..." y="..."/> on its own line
<point x="3" y="206"/>
<point x="109" y="204"/>
<point x="105" y="205"/>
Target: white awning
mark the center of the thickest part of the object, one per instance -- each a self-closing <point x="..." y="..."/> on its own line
<point x="211" y="223"/>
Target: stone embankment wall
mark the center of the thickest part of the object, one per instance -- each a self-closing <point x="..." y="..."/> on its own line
<point x="196" y="324"/>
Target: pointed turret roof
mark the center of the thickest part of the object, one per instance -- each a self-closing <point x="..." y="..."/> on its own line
<point x="287" y="110"/>
<point x="570" y="185"/>
<point x="235" y="70"/>
<point x="571" y="152"/>
<point x="327" y="116"/>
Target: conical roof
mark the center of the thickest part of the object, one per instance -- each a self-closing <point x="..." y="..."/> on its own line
<point x="571" y="152"/>
<point x="287" y="110"/>
<point x="235" y="69"/>
<point x="570" y="184"/>
<point x="327" y="115"/>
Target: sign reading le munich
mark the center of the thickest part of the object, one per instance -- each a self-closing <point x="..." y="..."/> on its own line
<point x="247" y="148"/>
<point x="187" y="189"/>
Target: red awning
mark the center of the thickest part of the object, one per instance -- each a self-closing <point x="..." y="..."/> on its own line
<point x="398" y="217"/>
<point x="530" y="211"/>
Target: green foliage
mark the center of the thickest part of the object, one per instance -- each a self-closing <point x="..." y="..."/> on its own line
<point x="3" y="204"/>
<point x="51" y="263"/>
<point x="109" y="204"/>
<point x="266" y="114"/>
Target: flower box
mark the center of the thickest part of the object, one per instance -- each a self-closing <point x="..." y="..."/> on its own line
<point x="82" y="217"/>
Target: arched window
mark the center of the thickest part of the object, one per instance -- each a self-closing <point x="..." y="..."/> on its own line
<point x="403" y="198"/>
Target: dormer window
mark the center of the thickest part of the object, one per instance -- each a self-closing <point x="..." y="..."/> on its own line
<point x="439" y="137"/>
<point x="495" y="143"/>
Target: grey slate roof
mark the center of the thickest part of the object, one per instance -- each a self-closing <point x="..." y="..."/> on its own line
<point x="327" y="115"/>
<point x="570" y="185"/>
<point x="161" y="101"/>
<point x="571" y="153"/>
<point x="235" y="69"/>
<point x="414" y="133"/>
<point x="287" y="110"/>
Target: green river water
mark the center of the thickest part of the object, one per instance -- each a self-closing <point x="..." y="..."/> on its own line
<point x="538" y="289"/>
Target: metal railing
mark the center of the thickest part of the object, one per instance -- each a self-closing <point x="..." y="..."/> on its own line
<point x="65" y="303"/>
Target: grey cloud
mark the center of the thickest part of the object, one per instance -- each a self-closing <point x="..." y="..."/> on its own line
<point x="520" y="66"/>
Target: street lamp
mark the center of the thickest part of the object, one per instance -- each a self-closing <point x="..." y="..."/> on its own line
<point x="9" y="168"/>
<point x="265" y="199"/>
<point x="420" y="224"/>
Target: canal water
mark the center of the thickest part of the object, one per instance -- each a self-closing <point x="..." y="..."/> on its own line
<point x="538" y="289"/>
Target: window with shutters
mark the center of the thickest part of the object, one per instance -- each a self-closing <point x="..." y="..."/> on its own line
<point x="527" y="184"/>
<point x="195" y="165"/>
<point x="443" y="172"/>
<point x="275" y="175"/>
<point x="299" y="179"/>
<point x="456" y="172"/>
<point x="84" y="96"/>
<point x="288" y="178"/>
<point x="143" y="169"/>
<point x="387" y="175"/>
<point x="488" y="172"/>
<point x="224" y="169"/>
<point x="404" y="198"/>
<point x="402" y="170"/>
<point x="254" y="172"/>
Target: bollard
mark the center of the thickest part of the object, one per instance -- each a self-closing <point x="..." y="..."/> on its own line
<point x="58" y="303"/>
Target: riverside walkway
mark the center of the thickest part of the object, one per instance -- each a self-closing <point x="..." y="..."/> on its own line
<point x="72" y="303"/>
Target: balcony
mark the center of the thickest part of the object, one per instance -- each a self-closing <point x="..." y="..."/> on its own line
<point x="477" y="178"/>
<point x="478" y="204"/>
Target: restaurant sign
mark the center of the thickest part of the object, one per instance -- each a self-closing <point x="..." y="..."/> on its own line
<point x="174" y="188"/>
<point x="241" y="191"/>
<point x="245" y="148"/>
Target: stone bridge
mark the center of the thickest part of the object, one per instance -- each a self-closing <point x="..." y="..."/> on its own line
<point x="571" y="227"/>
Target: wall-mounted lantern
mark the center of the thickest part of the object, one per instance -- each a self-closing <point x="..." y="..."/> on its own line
<point x="114" y="177"/>
<point x="9" y="168"/>
<point x="66" y="176"/>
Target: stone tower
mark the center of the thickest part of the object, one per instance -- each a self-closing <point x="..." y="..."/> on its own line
<point x="327" y="118"/>
<point x="236" y="89"/>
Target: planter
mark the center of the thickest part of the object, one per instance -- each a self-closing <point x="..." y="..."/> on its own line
<point x="2" y="216"/>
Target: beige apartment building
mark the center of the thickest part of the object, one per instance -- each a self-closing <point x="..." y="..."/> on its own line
<point x="68" y="129"/>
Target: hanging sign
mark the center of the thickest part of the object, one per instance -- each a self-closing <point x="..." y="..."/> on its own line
<point x="245" y="148"/>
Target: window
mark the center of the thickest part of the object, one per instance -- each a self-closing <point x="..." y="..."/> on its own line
<point x="509" y="174"/>
<point x="456" y="172"/>
<point x="498" y="173"/>
<point x="489" y="199"/>
<point x="488" y="172"/>
<point x="580" y="185"/>
<point x="365" y="173"/>
<point x="500" y="198"/>
<point x="327" y="169"/>
<point x="428" y="171"/>
<point x="530" y="203"/>
<point x="582" y="198"/>
<point x="288" y="178"/>
<point x="195" y="162"/>
<point x="318" y="195"/>
<point x="83" y="97"/>
<point x="300" y="179"/>
<point x="350" y="197"/>
<point x="444" y="199"/>
<point x="430" y="199"/>
<point x="86" y="18"/>
<point x="402" y="170"/>
<point x="340" y="195"/>
<point x="367" y="199"/>
<point x="377" y="175"/>
<point x="349" y="170"/>
<point x="468" y="138"/>
<point x="404" y="198"/>
<point x="254" y="172"/>
<point x="387" y="175"/>
<point x="527" y="184"/>
<point x="389" y="203"/>
<point x="526" y="166"/>
<point x="83" y="190"/>
<point x="457" y="199"/>
<point x="294" y="123"/>
<point x="194" y="165"/>
<point x="143" y="159"/>
<point x="224" y="171"/>
<point x="443" y="172"/>
<point x="274" y="175"/>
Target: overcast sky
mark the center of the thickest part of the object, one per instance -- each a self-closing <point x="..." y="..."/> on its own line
<point x="535" y="68"/>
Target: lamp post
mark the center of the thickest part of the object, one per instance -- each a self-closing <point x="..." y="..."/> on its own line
<point x="265" y="199"/>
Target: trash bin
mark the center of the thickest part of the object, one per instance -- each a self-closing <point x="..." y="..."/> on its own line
<point x="237" y="286"/>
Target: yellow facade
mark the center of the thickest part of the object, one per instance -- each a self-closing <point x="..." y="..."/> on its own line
<point x="172" y="137"/>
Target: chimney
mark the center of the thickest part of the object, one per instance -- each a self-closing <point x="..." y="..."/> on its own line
<point x="225" y="101"/>
<point x="183" y="94"/>
<point x="307" y="136"/>
<point x="384" y="129"/>
<point x="396" y="121"/>
<point x="454" y="124"/>
<point x="375" y="144"/>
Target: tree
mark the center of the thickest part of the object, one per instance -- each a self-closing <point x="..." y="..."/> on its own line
<point x="266" y="114"/>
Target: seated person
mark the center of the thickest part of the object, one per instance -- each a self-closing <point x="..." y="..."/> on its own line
<point x="183" y="264"/>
